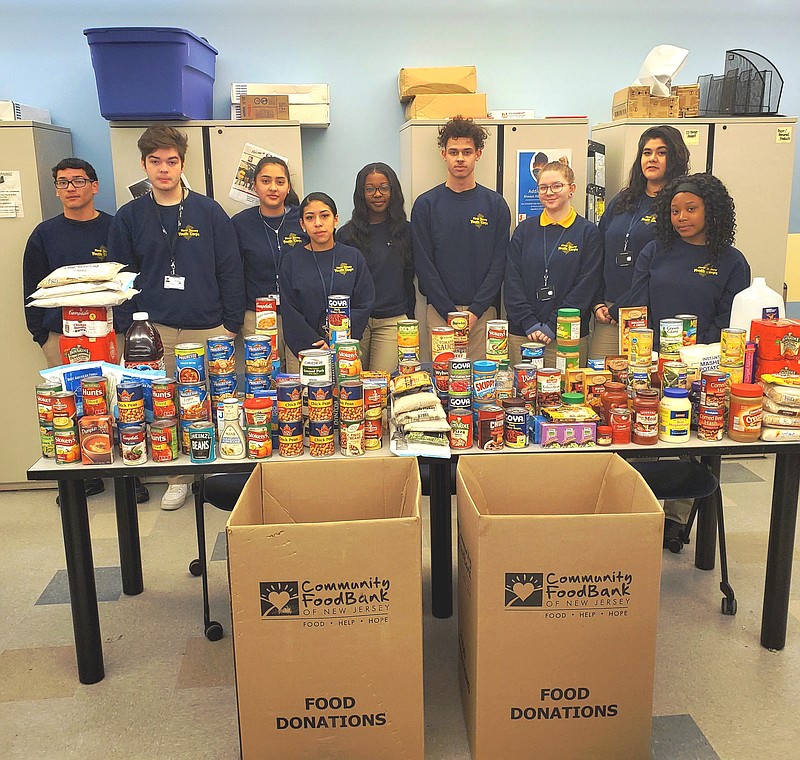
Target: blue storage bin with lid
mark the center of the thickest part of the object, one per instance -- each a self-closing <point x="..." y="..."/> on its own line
<point x="152" y="73"/>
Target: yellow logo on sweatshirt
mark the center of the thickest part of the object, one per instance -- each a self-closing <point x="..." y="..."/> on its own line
<point x="188" y="232"/>
<point x="479" y="221"/>
<point x="649" y="219"/>
<point x="568" y="247"/>
<point x="706" y="269"/>
<point x="343" y="269"/>
<point x="292" y="239"/>
<point x="101" y="253"/>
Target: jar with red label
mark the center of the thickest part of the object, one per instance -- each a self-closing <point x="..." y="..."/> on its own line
<point x="644" y="427"/>
<point x="744" y="415"/>
<point x="620" y="422"/>
<point x="612" y="395"/>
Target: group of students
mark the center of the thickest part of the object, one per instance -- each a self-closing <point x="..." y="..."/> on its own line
<point x="665" y="241"/>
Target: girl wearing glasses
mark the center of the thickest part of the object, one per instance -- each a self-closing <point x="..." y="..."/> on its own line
<point x="553" y="263"/>
<point x="629" y="224"/>
<point x="380" y="229"/>
<point x="266" y="233"/>
<point x="312" y="273"/>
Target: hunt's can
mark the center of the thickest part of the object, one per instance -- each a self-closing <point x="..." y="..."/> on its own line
<point x="290" y="438"/>
<point x="533" y="353"/>
<point x="221" y="387"/>
<point x="351" y="401"/>
<point x="674" y="375"/>
<point x="484" y="381"/>
<point x="257" y="354"/>
<point x="44" y="400"/>
<point x="351" y="438"/>
<point x="640" y="347"/>
<point x="133" y="444"/>
<point x="66" y="445"/>
<point x="460" y="427"/>
<point x="47" y="439"/>
<point x="713" y="388"/>
<point x="516" y="428"/>
<point x="490" y="424"/>
<point x="320" y="401"/>
<point x="165" y="398"/>
<point x="731" y="346"/>
<point x="497" y="340"/>
<point x="202" y="442"/>
<point x="689" y="330"/>
<point x="190" y="362"/>
<point x="548" y="387"/>
<point x="338" y="318"/>
<point x="93" y="392"/>
<point x="290" y="401"/>
<point x="164" y="442"/>
<point x="443" y="344"/>
<point x="259" y="442"/>
<point x="408" y="334"/>
<point x="710" y="423"/>
<point x="316" y="364"/>
<point x="193" y="402"/>
<point x="525" y="381"/>
<point x="348" y="362"/>
<point x="256" y="384"/>
<point x="130" y="403"/>
<point x="373" y="433"/>
<point x="221" y="355"/>
<point x="459" y="321"/>
<point x="321" y="440"/>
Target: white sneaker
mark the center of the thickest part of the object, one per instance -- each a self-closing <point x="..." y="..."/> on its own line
<point x="174" y="496"/>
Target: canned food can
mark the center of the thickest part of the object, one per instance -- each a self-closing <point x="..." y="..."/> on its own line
<point x="408" y="334"/>
<point x="460" y="367"/>
<point x="459" y="386"/>
<point x="408" y="363"/>
<point x="290" y="401"/>
<point x="221" y="386"/>
<point x="338" y="318"/>
<point x="373" y="433"/>
<point x="133" y="444"/>
<point x="257" y="354"/>
<point x="94" y="391"/>
<point x="638" y="378"/>
<point x="165" y="398"/>
<point x="640" y="347"/>
<point x="713" y="388"/>
<point x="460" y="427"/>
<point x="548" y="387"/>
<point x="320" y="401"/>
<point x="316" y="364"/>
<point x="348" y="362"/>
<point x="130" y="402"/>
<point x="259" y="442"/>
<point x="532" y="353"/>
<point x="47" y="439"/>
<point x="267" y="314"/>
<point x="735" y="374"/>
<point x="164" y="443"/>
<point x="674" y="375"/>
<point x="670" y="333"/>
<point x="65" y="412"/>
<point x="373" y="399"/>
<point x="351" y="401"/>
<point x="459" y="402"/>
<point x="321" y="438"/>
<point x="351" y="438"/>
<point x="443" y="344"/>
<point x="689" y="331"/>
<point x="221" y="353"/>
<point x="44" y="400"/>
<point x="459" y="321"/>
<point x="710" y="423"/>
<point x="96" y="434"/>
<point x="490" y="427"/>
<point x="66" y="445"/>
<point x="525" y="381"/>
<point x="484" y="381"/>
<point x="202" y="442"/>
<point x="190" y="362"/>
<point x="497" y="340"/>
<point x="731" y="346"/>
<point x="290" y="438"/>
<point x="256" y="384"/>
<point x="620" y="422"/>
<point x="193" y="402"/>
<point x="516" y="428"/>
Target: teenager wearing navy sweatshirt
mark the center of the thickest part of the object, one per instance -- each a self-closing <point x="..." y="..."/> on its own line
<point x="184" y="247"/>
<point x="380" y="230"/>
<point x="311" y="273"/>
<point x="266" y="233"/>
<point x="691" y="268"/>
<point x="460" y="231"/>
<point x="553" y="263"/>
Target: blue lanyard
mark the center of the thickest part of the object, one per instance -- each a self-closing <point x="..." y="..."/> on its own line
<point x="277" y="233"/>
<point x="548" y="256"/>
<point x="171" y="242"/>
<point x="321" y="278"/>
<point x="635" y="219"/>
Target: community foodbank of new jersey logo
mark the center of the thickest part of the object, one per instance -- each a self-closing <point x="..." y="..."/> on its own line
<point x="579" y="590"/>
<point x="279" y="598"/>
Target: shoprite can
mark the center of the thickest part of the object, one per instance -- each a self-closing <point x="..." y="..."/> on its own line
<point x="548" y="387"/>
<point x="190" y="362"/>
<point x="373" y="433"/>
<point x="710" y="423"/>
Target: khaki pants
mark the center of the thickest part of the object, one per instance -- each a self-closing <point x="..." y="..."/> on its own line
<point x="249" y="328"/>
<point x="51" y="351"/>
<point x="515" y="344"/>
<point x="379" y="344"/>
<point x="477" y="335"/>
<point x="604" y="340"/>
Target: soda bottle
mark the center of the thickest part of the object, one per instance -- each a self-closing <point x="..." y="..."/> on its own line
<point x="143" y="346"/>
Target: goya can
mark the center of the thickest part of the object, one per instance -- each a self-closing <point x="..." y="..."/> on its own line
<point x="130" y="403"/>
<point x="461" y="426"/>
<point x="202" y="442"/>
<point x="459" y="402"/>
<point x="689" y="329"/>
<point x="256" y="384"/>
<point x="484" y="381"/>
<point x="338" y="318"/>
<point x="164" y="443"/>
<point x="221" y="387"/>
<point x="548" y="387"/>
<point x="490" y="427"/>
<point x="351" y="401"/>
<point x="497" y="339"/>
<point x="348" y="362"/>
<point x="257" y="354"/>
<point x="221" y="354"/>
<point x="290" y="438"/>
<point x="459" y="321"/>
<point x="320" y="401"/>
<point x="193" y="402"/>
<point x="443" y="344"/>
<point x="259" y="442"/>
<point x="66" y="444"/>
<point x="94" y="391"/>
<point x="290" y="401"/>
<point x="533" y="353"/>
<point x="133" y="444"/>
<point x="47" y="440"/>
<point x="713" y="388"/>
<point x="516" y="428"/>
<point x="190" y="362"/>
<point x="351" y="438"/>
<point x="44" y="400"/>
<point x="321" y="439"/>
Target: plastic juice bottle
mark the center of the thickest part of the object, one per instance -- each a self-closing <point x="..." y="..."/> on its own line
<point x="143" y="346"/>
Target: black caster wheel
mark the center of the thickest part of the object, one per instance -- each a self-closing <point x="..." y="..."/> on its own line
<point x="728" y="606"/>
<point x="195" y="569"/>
<point x="675" y="545"/>
<point x="214" y="631"/>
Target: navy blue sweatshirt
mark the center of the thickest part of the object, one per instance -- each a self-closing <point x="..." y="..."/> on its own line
<point x="641" y="223"/>
<point x="262" y="242"/>
<point x="393" y="277"/>
<point x="460" y="245"/>
<point x="55" y="243"/>
<point x="574" y="257"/>
<point x="308" y="278"/>
<point x="206" y="256"/>
<point x="683" y="280"/>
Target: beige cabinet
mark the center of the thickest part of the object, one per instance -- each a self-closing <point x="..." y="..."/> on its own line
<point x="30" y="149"/>
<point x="753" y="156"/>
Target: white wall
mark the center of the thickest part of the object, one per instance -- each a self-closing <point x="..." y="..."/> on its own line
<point x="559" y="58"/>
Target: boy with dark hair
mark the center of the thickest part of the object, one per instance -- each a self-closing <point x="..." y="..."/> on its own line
<point x="184" y="247"/>
<point x="460" y="234"/>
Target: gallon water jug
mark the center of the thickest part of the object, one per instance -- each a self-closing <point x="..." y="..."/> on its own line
<point x="759" y="301"/>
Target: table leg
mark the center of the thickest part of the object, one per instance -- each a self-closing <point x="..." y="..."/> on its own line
<point x="130" y="550"/>
<point x="705" y="549"/>
<point x="780" y="550"/>
<point x="441" y="539"/>
<point x="80" y="572"/>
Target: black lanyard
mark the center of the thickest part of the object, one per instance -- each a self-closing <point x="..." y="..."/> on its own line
<point x="634" y="221"/>
<point x="171" y="242"/>
<point x="277" y="233"/>
<point x="321" y="278"/>
<point x="548" y="256"/>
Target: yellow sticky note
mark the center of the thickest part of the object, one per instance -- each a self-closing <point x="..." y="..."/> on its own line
<point x="691" y="136"/>
<point x="783" y="135"/>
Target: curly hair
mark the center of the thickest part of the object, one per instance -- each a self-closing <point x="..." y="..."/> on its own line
<point x="457" y="127"/>
<point x="719" y="209"/>
<point x="395" y="212"/>
<point x="677" y="165"/>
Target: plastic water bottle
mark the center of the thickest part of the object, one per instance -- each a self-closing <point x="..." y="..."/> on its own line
<point x="143" y="346"/>
<point x="759" y="301"/>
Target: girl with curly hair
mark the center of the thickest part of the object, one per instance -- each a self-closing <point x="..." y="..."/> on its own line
<point x="628" y="224"/>
<point x="380" y="229"/>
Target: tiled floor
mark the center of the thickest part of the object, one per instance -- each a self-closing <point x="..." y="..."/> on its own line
<point x="169" y="694"/>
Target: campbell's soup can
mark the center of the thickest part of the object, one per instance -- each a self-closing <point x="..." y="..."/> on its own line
<point x="165" y="398"/>
<point x="190" y="362"/>
<point x="460" y="421"/>
<point x="133" y="444"/>
<point x="497" y="340"/>
<point x="267" y="314"/>
<point x="164" y="443"/>
<point x="44" y="400"/>
<point x="130" y="403"/>
<point x="459" y="321"/>
<point x="516" y="428"/>
<point x="93" y="392"/>
<point x="193" y="402"/>
<point x="257" y="354"/>
<point x="338" y="318"/>
<point x="442" y="344"/>
<point x="66" y="445"/>
<point x="221" y="355"/>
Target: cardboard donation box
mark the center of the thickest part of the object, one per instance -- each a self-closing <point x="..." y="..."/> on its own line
<point x="324" y="560"/>
<point x="437" y="80"/>
<point x="447" y="106"/>
<point x="558" y="590"/>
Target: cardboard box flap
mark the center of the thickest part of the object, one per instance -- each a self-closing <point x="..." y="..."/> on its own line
<point x="247" y="510"/>
<point x="624" y="490"/>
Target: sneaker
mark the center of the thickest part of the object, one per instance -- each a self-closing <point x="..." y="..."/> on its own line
<point x="174" y="496"/>
<point x="142" y="494"/>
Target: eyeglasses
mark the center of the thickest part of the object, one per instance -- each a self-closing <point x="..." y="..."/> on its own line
<point x="77" y="183"/>
<point x="556" y="187"/>
<point x="382" y="189"/>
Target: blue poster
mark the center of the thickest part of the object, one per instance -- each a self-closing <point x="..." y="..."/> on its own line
<point x="529" y="163"/>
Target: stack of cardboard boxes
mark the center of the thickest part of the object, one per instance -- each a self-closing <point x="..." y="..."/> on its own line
<point x="441" y="93"/>
<point x="637" y="103"/>
<point x="307" y="103"/>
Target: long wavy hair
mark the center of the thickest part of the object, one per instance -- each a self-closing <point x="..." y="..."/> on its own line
<point x="398" y="222"/>
<point x="677" y="165"/>
<point x="719" y="208"/>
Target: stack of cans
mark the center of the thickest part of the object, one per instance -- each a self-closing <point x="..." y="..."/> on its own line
<point x="65" y="427"/>
<point x="640" y="358"/>
<point x="373" y="416"/>
<point x="459" y="321"/>
<point x="257" y="364"/>
<point x="319" y="393"/>
<point x="711" y="411"/>
<point x="407" y="341"/>
<point x="267" y="324"/>
<point x="732" y="344"/>
<point x="44" y="405"/>
<point x="221" y="355"/>
<point x="459" y="403"/>
<point x="442" y="351"/>
<point x="194" y="401"/>
<point x="290" y="418"/>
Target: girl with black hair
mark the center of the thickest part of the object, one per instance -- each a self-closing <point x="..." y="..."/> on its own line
<point x="380" y="229"/>
<point x="628" y="225"/>
<point x="265" y="233"/>
<point x="312" y="273"/>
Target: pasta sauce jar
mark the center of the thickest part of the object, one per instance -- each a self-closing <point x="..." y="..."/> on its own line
<point x="644" y="429"/>
<point x="744" y="417"/>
